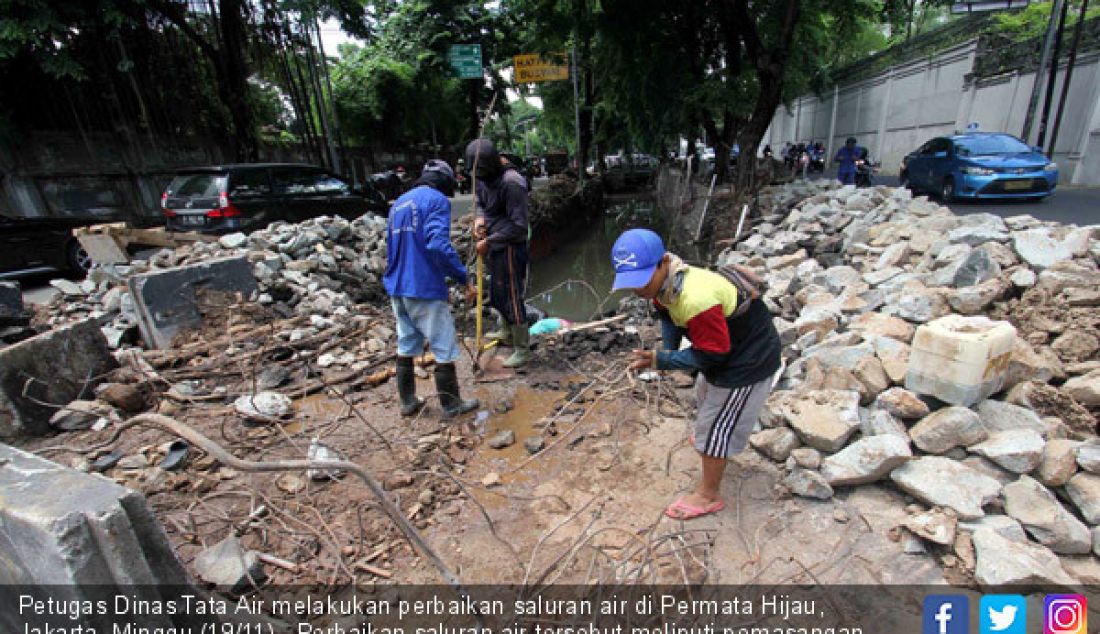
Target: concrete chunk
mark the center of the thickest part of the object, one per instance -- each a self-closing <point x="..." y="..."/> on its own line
<point x="944" y="482"/>
<point x="1005" y="562"/>
<point x="54" y="367"/>
<point x="167" y="301"/>
<point x="87" y="531"/>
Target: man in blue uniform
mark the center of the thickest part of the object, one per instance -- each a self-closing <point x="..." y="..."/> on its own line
<point x="847" y="157"/>
<point x="419" y="259"/>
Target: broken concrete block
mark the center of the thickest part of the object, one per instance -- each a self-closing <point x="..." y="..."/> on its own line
<point x="263" y="405"/>
<point x="167" y="301"/>
<point x="1003" y="562"/>
<point x="945" y="482"/>
<point x="87" y="532"/>
<point x="866" y="460"/>
<point x="54" y="367"/>
<point x="228" y="565"/>
<point x="960" y="360"/>
<point x="11" y="306"/>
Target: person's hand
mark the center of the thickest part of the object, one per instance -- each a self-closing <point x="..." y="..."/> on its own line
<point x="471" y="292"/>
<point x="479" y="229"/>
<point x="482" y="246"/>
<point x="642" y="359"/>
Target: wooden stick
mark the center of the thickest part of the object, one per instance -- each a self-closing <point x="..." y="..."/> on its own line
<point x="593" y="324"/>
<point x="275" y="561"/>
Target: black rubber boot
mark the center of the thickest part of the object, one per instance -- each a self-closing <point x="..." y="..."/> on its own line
<point x="446" y="383"/>
<point x="406" y="387"/>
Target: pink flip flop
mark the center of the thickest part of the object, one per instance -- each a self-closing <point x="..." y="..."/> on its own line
<point x="681" y="510"/>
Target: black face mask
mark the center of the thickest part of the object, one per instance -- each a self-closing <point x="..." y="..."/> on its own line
<point x="483" y="154"/>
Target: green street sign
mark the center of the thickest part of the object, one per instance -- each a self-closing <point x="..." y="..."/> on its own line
<point x="465" y="60"/>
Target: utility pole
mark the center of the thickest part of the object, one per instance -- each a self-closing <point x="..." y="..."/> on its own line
<point x="1033" y="102"/>
<point x="1052" y="76"/>
<point x="1069" y="75"/>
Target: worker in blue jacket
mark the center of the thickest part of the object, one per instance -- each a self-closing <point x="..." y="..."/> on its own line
<point x="419" y="259"/>
<point x="847" y="157"/>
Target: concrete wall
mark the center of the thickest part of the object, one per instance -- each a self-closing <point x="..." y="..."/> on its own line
<point x="897" y="110"/>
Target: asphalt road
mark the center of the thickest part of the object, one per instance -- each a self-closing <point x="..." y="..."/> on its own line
<point x="1068" y="205"/>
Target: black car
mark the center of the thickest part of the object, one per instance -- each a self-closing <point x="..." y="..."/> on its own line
<point x="38" y="245"/>
<point x="246" y="197"/>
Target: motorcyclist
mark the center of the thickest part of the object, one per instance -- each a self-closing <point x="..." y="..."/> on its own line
<point x="847" y="157"/>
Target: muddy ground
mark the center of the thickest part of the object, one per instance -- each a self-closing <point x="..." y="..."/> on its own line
<point x="586" y="508"/>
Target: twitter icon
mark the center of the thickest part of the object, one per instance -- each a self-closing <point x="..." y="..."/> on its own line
<point x="1003" y="614"/>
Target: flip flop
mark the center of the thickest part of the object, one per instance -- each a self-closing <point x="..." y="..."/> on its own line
<point x="176" y="457"/>
<point x="680" y="510"/>
<point x="107" y="461"/>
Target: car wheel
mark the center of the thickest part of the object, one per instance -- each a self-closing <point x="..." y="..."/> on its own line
<point x="947" y="192"/>
<point x="77" y="258"/>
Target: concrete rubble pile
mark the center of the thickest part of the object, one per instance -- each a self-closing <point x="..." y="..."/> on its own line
<point x="320" y="267"/>
<point x="886" y="305"/>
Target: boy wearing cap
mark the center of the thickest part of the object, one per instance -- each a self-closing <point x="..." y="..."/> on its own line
<point x="419" y="258"/>
<point x="735" y="356"/>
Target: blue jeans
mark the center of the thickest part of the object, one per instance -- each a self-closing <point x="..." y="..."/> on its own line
<point x="425" y="319"/>
<point x="847" y="177"/>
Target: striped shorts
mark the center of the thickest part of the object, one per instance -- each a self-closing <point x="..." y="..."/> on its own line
<point x="727" y="416"/>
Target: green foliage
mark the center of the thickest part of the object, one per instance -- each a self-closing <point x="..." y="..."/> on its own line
<point x="1032" y="21"/>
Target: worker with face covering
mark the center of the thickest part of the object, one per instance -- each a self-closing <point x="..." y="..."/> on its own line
<point x="501" y="233"/>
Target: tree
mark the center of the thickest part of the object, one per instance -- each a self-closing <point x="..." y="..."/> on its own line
<point x="910" y="16"/>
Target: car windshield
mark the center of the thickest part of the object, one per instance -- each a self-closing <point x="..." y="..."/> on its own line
<point x="197" y="185"/>
<point x="982" y="146"/>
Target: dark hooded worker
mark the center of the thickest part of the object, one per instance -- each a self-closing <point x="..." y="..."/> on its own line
<point x="419" y="259"/>
<point x="501" y="233"/>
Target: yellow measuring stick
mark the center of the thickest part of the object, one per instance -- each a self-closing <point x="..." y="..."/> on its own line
<point x="480" y="296"/>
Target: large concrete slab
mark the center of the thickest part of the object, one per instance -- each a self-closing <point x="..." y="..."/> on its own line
<point x="70" y="535"/>
<point x="167" y="301"/>
<point x="11" y="305"/>
<point x="55" y="367"/>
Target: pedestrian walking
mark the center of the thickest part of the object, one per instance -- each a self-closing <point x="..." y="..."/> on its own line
<point x="501" y="231"/>
<point x="419" y="260"/>
<point x="734" y="348"/>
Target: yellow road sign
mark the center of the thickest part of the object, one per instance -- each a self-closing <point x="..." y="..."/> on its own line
<point x="535" y="68"/>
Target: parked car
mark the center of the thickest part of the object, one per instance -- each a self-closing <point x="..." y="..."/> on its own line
<point x="37" y="245"/>
<point x="979" y="165"/>
<point x="245" y="197"/>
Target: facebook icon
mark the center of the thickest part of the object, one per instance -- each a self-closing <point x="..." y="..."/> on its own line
<point x="946" y="614"/>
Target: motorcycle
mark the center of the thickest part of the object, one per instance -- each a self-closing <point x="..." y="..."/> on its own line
<point x="817" y="162"/>
<point x="865" y="171"/>
<point x="462" y="182"/>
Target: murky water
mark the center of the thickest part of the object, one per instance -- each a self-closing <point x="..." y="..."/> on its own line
<point x="575" y="281"/>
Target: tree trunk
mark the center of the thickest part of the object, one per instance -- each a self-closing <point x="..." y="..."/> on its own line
<point x="234" y="80"/>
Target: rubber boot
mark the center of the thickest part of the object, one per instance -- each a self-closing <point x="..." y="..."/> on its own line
<point x="446" y="383"/>
<point x="406" y="387"/>
<point x="504" y="335"/>
<point x="521" y="343"/>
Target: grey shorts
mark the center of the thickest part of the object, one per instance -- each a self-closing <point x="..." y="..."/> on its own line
<point x="727" y="416"/>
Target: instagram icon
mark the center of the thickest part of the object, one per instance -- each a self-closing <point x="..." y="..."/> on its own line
<point x="1065" y="614"/>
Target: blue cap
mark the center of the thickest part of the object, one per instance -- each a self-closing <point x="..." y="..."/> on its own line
<point x="635" y="257"/>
